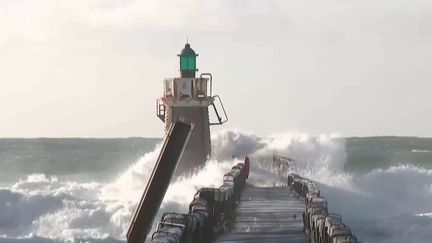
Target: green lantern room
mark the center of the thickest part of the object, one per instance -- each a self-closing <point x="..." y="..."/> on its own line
<point x="188" y="62"/>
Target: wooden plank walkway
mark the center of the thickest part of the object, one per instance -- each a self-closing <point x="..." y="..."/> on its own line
<point x="267" y="215"/>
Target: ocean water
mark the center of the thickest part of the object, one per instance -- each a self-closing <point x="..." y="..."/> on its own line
<point x="85" y="190"/>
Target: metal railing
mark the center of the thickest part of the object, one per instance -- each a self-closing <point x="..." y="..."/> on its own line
<point x="224" y="118"/>
<point x="160" y="110"/>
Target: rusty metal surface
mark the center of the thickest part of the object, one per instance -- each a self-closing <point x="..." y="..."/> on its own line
<point x="171" y="152"/>
<point x="267" y="215"/>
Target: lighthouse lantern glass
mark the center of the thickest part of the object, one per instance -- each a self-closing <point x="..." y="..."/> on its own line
<point x="187" y="63"/>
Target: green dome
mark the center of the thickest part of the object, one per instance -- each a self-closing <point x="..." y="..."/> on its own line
<point x="188" y="51"/>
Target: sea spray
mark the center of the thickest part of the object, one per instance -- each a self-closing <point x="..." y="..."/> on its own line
<point x="228" y="144"/>
<point x="390" y="204"/>
<point x="381" y="205"/>
<point x="100" y="210"/>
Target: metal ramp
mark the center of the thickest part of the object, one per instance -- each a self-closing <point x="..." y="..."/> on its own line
<point x="267" y="215"/>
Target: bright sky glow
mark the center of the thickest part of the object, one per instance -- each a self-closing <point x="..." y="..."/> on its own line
<point x="95" y="68"/>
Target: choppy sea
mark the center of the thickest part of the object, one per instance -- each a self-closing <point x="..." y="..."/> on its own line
<point x="85" y="190"/>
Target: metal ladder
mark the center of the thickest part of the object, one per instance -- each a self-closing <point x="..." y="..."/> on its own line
<point x="160" y="110"/>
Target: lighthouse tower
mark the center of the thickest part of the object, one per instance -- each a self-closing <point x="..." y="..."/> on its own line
<point x="188" y="99"/>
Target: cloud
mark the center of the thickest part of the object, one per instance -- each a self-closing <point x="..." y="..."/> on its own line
<point x="104" y="60"/>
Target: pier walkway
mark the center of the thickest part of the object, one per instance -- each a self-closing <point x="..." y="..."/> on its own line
<point x="254" y="214"/>
<point x="267" y="215"/>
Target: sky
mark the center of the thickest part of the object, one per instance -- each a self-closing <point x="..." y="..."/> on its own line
<point x="95" y="68"/>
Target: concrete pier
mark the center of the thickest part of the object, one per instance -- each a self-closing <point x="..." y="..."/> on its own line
<point x="241" y="212"/>
<point x="267" y="215"/>
<point x="198" y="147"/>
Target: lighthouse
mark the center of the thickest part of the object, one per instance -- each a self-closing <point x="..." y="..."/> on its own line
<point x="187" y="98"/>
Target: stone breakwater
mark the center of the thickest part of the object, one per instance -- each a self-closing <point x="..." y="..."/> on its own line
<point x="321" y="225"/>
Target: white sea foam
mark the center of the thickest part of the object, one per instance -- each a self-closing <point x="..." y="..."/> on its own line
<point x="383" y="205"/>
<point x="421" y="151"/>
<point x="40" y="207"/>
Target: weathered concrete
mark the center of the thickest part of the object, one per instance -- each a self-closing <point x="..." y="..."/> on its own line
<point x="198" y="147"/>
<point x="267" y="215"/>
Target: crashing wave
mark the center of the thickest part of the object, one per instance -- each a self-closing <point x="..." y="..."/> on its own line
<point x="377" y="204"/>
